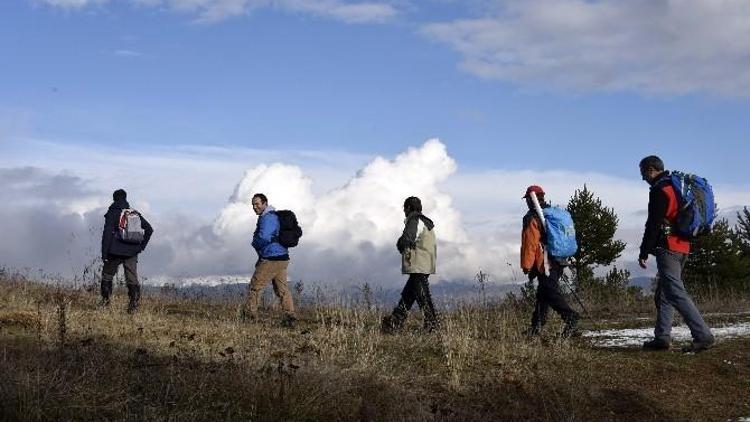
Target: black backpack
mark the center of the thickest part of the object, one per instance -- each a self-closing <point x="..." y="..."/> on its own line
<point x="289" y="229"/>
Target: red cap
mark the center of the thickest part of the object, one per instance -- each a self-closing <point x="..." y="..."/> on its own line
<point x="534" y="188"/>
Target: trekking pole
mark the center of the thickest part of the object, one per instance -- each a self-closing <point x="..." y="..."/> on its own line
<point x="564" y="278"/>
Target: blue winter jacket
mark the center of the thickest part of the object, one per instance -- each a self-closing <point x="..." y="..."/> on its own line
<point x="265" y="237"/>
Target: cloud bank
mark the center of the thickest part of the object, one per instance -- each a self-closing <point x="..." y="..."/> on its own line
<point x="660" y="47"/>
<point x="350" y="231"/>
<point x="651" y="47"/>
<point x="52" y="219"/>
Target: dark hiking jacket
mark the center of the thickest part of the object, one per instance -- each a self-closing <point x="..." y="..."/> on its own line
<point x="111" y="245"/>
<point x="663" y="207"/>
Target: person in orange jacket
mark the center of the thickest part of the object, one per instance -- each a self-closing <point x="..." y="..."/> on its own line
<point x="548" y="292"/>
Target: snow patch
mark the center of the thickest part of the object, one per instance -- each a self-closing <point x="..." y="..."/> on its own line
<point x="634" y="337"/>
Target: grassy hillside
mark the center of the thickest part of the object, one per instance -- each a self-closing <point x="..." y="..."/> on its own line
<point x="63" y="358"/>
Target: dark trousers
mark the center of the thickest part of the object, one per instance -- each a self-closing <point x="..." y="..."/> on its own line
<point x="130" y="264"/>
<point x="417" y="289"/>
<point x="548" y="295"/>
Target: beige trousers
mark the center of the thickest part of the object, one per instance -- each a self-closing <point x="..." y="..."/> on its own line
<point x="265" y="272"/>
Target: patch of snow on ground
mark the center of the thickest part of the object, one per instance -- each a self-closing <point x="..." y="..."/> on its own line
<point x="634" y="337"/>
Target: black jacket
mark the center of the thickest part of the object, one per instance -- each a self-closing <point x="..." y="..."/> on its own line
<point x="111" y="245"/>
<point x="409" y="237"/>
<point x="654" y="234"/>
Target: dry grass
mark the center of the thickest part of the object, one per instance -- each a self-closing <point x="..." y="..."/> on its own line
<point x="63" y="358"/>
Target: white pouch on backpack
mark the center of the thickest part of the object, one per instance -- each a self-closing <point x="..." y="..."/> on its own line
<point x="129" y="229"/>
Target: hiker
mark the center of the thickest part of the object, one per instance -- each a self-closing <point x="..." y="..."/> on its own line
<point x="418" y="250"/>
<point x="126" y="234"/>
<point x="533" y="258"/>
<point x="671" y="252"/>
<point x="273" y="261"/>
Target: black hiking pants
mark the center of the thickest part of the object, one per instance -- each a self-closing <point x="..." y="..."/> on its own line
<point x="417" y="289"/>
<point x="130" y="265"/>
<point x="548" y="295"/>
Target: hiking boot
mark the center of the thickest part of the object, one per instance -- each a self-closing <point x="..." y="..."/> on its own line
<point x="656" y="344"/>
<point x="247" y="316"/>
<point x="289" y="321"/>
<point x="698" y="346"/>
<point x="104" y="302"/>
<point x="390" y="325"/>
<point x="571" y="331"/>
<point x="571" y="328"/>
<point x="132" y="307"/>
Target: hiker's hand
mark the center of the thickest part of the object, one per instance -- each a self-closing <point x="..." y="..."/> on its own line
<point x="525" y="271"/>
<point x="642" y="262"/>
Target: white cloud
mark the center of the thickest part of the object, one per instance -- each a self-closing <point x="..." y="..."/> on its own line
<point x="350" y="231"/>
<point x="210" y="11"/>
<point x="71" y="4"/>
<point x="176" y="177"/>
<point x="127" y="53"/>
<point x="653" y="47"/>
<point x="349" y="206"/>
<point x="347" y="12"/>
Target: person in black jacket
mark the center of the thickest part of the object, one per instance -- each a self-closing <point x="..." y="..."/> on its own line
<point x="117" y="251"/>
<point x="671" y="252"/>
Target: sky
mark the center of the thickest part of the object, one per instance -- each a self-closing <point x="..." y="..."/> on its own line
<point x="340" y="109"/>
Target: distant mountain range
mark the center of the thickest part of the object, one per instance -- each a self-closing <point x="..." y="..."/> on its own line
<point x="227" y="288"/>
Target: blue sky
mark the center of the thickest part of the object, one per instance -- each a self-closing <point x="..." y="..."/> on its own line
<point x="118" y="72"/>
<point x="195" y="96"/>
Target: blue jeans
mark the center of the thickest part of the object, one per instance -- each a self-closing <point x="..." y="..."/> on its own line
<point x="671" y="294"/>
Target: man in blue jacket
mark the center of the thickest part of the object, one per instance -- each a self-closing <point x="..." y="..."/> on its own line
<point x="273" y="261"/>
<point x="118" y="249"/>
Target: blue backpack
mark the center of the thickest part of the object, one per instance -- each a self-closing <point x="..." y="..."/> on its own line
<point x="560" y="232"/>
<point x="697" y="207"/>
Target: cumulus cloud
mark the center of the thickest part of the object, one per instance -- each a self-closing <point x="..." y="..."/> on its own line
<point x="34" y="187"/>
<point x="350" y="231"/>
<point x="652" y="47"/>
<point x="52" y="218"/>
<point x="209" y="11"/>
<point x="45" y="219"/>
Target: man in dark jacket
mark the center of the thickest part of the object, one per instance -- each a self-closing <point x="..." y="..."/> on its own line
<point x="671" y="253"/>
<point x="118" y="249"/>
<point x="533" y="258"/>
<point x="418" y="249"/>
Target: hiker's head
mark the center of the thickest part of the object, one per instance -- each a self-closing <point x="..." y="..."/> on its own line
<point x="412" y="204"/>
<point x="260" y="202"/>
<point x="538" y="191"/>
<point x="119" y="195"/>
<point x="651" y="167"/>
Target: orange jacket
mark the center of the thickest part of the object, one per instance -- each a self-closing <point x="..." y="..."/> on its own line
<point x="532" y="255"/>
